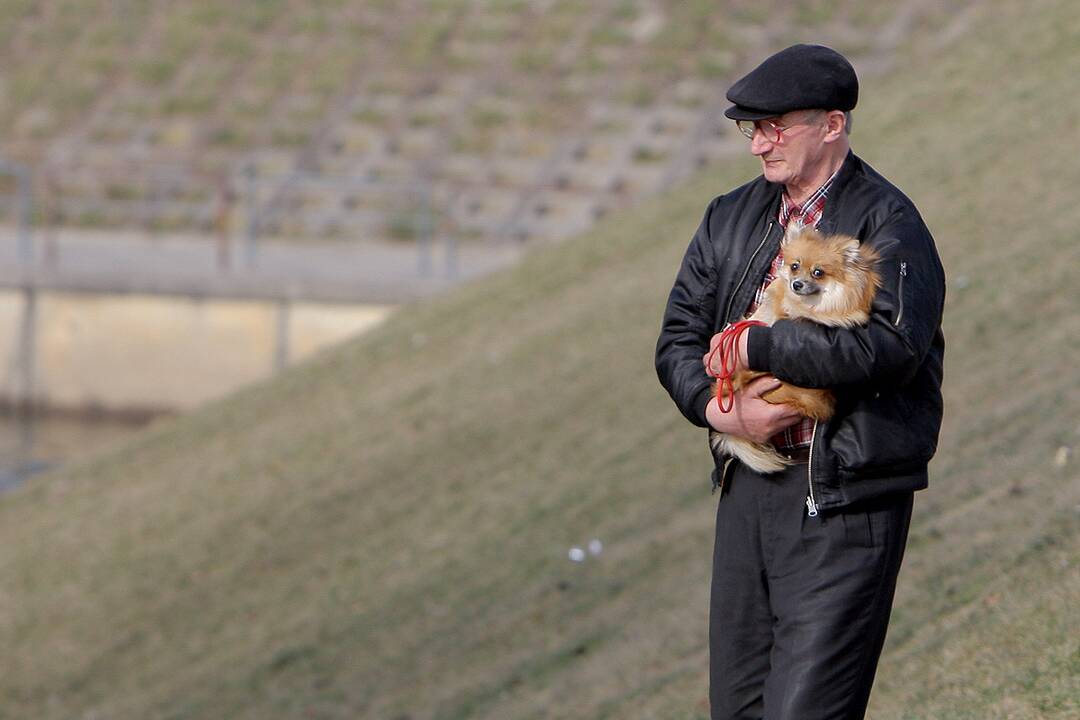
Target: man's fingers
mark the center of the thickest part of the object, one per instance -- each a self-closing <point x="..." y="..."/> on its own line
<point x="790" y="414"/>
<point x="761" y="385"/>
<point x="713" y="342"/>
<point x="782" y="411"/>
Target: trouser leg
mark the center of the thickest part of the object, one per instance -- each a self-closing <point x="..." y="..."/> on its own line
<point x="832" y="586"/>
<point x="799" y="605"/>
<point x="740" y="619"/>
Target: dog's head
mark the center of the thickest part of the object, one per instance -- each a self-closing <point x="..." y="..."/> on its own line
<point x="826" y="273"/>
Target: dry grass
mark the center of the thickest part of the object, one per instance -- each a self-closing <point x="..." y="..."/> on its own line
<point x="382" y="533"/>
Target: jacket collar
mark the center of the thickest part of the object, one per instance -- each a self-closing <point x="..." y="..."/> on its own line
<point x="847" y="171"/>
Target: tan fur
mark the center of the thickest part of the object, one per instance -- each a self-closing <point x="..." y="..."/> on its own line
<point x="843" y="293"/>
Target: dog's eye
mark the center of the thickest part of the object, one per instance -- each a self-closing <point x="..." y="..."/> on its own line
<point x="794" y="266"/>
<point x="818" y="272"/>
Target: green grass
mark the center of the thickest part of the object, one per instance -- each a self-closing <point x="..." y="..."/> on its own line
<point x="102" y="73"/>
<point x="382" y="532"/>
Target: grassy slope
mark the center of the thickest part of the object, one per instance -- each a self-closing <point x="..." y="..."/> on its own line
<point x="383" y="533"/>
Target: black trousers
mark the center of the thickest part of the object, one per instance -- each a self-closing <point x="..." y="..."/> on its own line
<point x="800" y="604"/>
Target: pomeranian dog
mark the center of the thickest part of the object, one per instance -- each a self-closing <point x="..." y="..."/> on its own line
<point x="830" y="280"/>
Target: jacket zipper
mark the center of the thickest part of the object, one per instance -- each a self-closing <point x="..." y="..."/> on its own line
<point x="811" y="503"/>
<point x="731" y="299"/>
<point x="727" y="314"/>
<point x="900" y="292"/>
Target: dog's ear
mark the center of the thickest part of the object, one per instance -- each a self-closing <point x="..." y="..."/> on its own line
<point x="850" y="250"/>
<point x="794" y="229"/>
<point x="858" y="256"/>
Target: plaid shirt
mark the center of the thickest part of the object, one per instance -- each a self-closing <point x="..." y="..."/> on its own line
<point x="800" y="434"/>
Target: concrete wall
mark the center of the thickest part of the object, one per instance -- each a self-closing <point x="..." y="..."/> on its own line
<point x="134" y="352"/>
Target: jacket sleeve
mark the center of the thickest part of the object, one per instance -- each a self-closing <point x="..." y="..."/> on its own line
<point x="688" y="326"/>
<point x="890" y="348"/>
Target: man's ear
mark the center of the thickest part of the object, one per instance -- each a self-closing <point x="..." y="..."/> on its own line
<point x="834" y="125"/>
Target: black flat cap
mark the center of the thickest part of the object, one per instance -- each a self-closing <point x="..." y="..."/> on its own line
<point x="800" y="77"/>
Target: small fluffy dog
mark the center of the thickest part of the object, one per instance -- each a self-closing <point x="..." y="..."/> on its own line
<point x="824" y="279"/>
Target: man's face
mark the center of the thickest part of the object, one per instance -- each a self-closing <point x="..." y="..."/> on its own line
<point x="800" y="151"/>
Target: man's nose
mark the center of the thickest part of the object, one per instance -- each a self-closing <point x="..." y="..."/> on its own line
<point x="759" y="144"/>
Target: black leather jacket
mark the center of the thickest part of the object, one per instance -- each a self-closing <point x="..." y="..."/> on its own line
<point x="886" y="375"/>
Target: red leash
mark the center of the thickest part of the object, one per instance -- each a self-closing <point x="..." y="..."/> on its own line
<point x="728" y="347"/>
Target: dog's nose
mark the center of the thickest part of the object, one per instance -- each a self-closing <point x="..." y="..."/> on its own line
<point x="797" y="285"/>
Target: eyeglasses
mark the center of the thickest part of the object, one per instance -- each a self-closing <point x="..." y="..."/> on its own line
<point x="773" y="132"/>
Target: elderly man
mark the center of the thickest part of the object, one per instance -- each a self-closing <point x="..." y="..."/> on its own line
<point x="805" y="559"/>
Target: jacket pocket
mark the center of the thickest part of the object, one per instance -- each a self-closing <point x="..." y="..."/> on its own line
<point x="887" y="433"/>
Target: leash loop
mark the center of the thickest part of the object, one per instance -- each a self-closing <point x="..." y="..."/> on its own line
<point x="728" y="349"/>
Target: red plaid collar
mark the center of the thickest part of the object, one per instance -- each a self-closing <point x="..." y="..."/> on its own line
<point x="810" y="211"/>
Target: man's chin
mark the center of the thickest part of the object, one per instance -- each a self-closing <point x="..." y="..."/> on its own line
<point x="774" y="172"/>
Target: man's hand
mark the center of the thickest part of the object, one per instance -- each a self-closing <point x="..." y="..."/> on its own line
<point x="742" y="360"/>
<point x="751" y="417"/>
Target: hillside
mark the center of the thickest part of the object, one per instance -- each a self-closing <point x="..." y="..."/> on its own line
<point x="383" y="533"/>
<point x="366" y="120"/>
